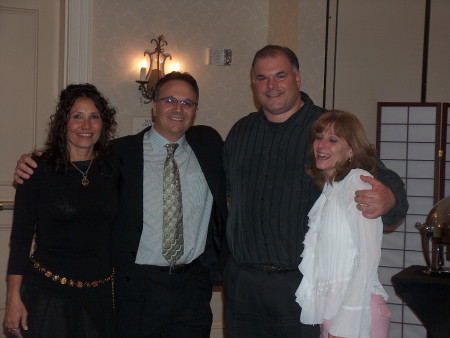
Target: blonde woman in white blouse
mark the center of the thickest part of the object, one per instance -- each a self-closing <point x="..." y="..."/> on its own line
<point x="340" y="288"/>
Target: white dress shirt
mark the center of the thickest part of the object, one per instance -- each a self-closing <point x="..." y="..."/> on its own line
<point x="196" y="198"/>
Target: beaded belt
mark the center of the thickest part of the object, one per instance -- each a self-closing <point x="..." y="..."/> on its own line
<point x="67" y="281"/>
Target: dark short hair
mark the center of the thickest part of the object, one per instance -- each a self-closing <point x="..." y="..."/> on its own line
<point x="186" y="77"/>
<point x="274" y="50"/>
<point x="348" y="127"/>
<point x="56" y="152"/>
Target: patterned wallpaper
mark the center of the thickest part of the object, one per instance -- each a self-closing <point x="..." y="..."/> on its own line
<point x="122" y="30"/>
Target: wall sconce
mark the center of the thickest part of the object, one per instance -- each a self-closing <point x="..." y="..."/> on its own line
<point x="148" y="79"/>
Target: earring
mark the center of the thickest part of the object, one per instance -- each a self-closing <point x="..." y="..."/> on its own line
<point x="350" y="159"/>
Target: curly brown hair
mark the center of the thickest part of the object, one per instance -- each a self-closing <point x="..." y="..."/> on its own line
<point x="348" y="127"/>
<point x="56" y="151"/>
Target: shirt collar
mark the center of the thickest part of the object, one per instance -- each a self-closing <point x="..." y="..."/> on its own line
<point x="158" y="142"/>
<point x="299" y="116"/>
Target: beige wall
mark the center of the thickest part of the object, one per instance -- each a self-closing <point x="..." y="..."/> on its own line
<point x="378" y="51"/>
<point x="377" y="60"/>
<point x="283" y="23"/>
<point x="123" y="29"/>
<point x="374" y="51"/>
<point x="438" y="59"/>
<point x="376" y="55"/>
<point x="311" y="47"/>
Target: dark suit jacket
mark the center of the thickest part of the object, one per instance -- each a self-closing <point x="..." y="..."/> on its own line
<point x="207" y="146"/>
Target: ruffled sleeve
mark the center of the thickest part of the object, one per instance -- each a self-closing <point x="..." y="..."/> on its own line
<point x="353" y="317"/>
<point x="305" y="292"/>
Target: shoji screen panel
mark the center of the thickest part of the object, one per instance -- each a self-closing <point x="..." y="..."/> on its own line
<point x="408" y="137"/>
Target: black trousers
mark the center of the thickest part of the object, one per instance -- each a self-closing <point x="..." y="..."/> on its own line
<point x="262" y="304"/>
<point x="159" y="304"/>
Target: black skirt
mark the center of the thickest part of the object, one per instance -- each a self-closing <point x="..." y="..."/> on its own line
<point x="56" y="310"/>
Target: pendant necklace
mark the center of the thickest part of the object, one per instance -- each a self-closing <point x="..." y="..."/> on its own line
<point x="84" y="180"/>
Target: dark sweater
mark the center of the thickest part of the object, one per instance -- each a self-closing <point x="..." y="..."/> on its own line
<point x="72" y="222"/>
<point x="270" y="192"/>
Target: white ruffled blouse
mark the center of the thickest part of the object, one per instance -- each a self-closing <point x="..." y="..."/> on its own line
<point x="340" y="260"/>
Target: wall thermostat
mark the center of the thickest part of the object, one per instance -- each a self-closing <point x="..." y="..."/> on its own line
<point x="219" y="57"/>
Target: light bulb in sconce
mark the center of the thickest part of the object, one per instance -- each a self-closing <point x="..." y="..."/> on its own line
<point x="143" y="70"/>
<point x="173" y="67"/>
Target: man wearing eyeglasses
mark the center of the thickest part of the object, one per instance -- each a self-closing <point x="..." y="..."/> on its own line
<point x="155" y="298"/>
<point x="160" y="294"/>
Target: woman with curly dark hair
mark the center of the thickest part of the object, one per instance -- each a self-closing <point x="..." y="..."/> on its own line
<point x="65" y="288"/>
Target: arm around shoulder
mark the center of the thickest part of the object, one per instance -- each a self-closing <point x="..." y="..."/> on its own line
<point x="393" y="181"/>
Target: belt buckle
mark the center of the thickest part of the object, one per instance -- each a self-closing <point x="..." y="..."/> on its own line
<point x="175" y="269"/>
<point x="273" y="269"/>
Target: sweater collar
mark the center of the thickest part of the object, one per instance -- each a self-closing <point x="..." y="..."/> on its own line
<point x="299" y="116"/>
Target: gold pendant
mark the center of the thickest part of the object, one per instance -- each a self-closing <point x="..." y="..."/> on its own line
<point x="84" y="180"/>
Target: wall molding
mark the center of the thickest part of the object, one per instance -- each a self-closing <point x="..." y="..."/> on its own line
<point x="5" y="227"/>
<point x="78" y="41"/>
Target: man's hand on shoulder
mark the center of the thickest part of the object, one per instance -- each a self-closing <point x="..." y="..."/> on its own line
<point x="375" y="202"/>
<point x="24" y="167"/>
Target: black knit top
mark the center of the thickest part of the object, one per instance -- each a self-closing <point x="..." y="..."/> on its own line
<point x="72" y="223"/>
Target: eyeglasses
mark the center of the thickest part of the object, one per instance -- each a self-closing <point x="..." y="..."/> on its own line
<point x="173" y="102"/>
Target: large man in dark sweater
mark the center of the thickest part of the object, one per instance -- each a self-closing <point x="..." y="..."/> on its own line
<point x="270" y="196"/>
